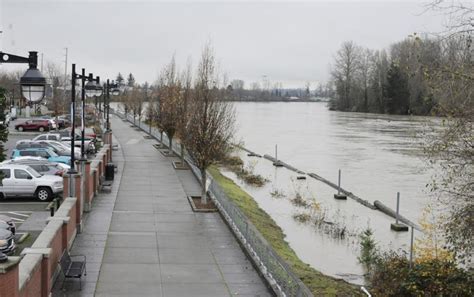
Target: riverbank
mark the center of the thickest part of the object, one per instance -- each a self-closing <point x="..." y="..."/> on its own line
<point x="318" y="283"/>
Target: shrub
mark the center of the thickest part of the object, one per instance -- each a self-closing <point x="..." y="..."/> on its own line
<point x="232" y="161"/>
<point x="368" y="249"/>
<point x="392" y="276"/>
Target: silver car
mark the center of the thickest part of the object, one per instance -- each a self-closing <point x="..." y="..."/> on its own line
<point x="24" y="181"/>
<point x="10" y="224"/>
<point x="42" y="166"/>
<point x="7" y="243"/>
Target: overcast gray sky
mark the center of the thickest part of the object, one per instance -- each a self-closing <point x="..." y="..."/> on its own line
<point x="286" y="41"/>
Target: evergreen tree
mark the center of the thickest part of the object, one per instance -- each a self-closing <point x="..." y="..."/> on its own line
<point x="3" y="128"/>
<point x="119" y="80"/>
<point x="397" y="94"/>
<point x="130" y="80"/>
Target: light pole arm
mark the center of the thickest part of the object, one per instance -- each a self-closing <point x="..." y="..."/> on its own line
<point x="32" y="59"/>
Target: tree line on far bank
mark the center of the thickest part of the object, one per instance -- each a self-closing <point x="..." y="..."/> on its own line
<point x="413" y="76"/>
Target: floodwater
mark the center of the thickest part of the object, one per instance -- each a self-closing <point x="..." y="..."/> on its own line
<point x="379" y="155"/>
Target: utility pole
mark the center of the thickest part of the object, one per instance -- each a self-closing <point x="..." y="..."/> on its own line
<point x="65" y="75"/>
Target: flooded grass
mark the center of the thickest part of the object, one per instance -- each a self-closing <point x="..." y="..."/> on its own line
<point x="318" y="283"/>
<point x="245" y="173"/>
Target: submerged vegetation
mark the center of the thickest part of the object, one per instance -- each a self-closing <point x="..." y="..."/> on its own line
<point x="245" y="173"/>
<point x="312" y="213"/>
<point x="318" y="283"/>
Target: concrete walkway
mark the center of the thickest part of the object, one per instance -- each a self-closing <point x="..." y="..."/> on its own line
<point x="155" y="245"/>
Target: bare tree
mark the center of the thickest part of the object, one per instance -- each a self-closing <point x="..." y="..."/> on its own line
<point x="365" y="69"/>
<point x="183" y="106"/>
<point x="55" y="76"/>
<point x="170" y="97"/>
<point x="452" y="148"/>
<point x="211" y="124"/>
<point x="345" y="67"/>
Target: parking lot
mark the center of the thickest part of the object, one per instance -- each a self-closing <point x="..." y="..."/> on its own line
<point x="29" y="214"/>
<point x="14" y="136"/>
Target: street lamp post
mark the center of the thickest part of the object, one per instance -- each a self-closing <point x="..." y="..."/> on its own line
<point x="32" y="83"/>
<point x="110" y="89"/>
<point x="108" y="106"/>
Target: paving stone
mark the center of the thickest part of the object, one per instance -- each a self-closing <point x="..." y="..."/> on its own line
<point x="195" y="290"/>
<point x="132" y="255"/>
<point x="132" y="240"/>
<point x="186" y="256"/>
<point x="131" y="273"/>
<point x="190" y="273"/>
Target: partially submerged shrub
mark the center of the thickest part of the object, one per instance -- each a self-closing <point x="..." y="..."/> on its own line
<point x="254" y="179"/>
<point x="302" y="217"/>
<point x="232" y="161"/>
<point x="298" y="200"/>
<point x="393" y="276"/>
<point x="275" y="193"/>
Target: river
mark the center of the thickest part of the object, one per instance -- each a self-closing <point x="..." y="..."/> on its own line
<point x="379" y="155"/>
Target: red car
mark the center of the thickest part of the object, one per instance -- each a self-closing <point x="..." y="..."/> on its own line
<point x="35" y="124"/>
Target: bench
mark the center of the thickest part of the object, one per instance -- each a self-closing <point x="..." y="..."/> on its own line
<point x="72" y="268"/>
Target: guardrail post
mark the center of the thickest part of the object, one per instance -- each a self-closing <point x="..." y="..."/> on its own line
<point x="339" y="195"/>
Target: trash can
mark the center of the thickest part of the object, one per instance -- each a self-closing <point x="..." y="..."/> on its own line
<point x="109" y="171"/>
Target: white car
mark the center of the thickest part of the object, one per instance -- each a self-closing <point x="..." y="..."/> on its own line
<point x="24" y="181"/>
<point x="48" y="136"/>
<point x="62" y="165"/>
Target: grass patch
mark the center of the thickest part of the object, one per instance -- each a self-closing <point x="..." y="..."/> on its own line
<point x="28" y="242"/>
<point x="245" y="173"/>
<point x="318" y="283"/>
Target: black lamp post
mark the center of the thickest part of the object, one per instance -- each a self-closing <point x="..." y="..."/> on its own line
<point x="74" y="77"/>
<point x="110" y="89"/>
<point x="98" y="91"/>
<point x="32" y="83"/>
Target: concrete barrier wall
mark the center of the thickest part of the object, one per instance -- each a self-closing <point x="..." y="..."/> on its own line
<point x="34" y="274"/>
<point x="9" y="272"/>
<point x="30" y="275"/>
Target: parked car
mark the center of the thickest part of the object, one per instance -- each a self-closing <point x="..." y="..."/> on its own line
<point x="24" y="181"/>
<point x="45" y="153"/>
<point x="52" y="120"/>
<point x="91" y="133"/>
<point x="88" y="143"/>
<point x="65" y="167"/>
<point x="48" y="136"/>
<point x="35" y="124"/>
<point x="22" y="144"/>
<point x="42" y="166"/>
<point x="7" y="243"/>
<point x="13" y="113"/>
<point x="60" y="148"/>
<point x="10" y="223"/>
<point x="63" y="122"/>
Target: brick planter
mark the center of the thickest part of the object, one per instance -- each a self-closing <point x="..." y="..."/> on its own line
<point x="194" y="201"/>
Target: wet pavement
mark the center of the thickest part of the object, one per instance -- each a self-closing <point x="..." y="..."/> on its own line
<point x="143" y="239"/>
